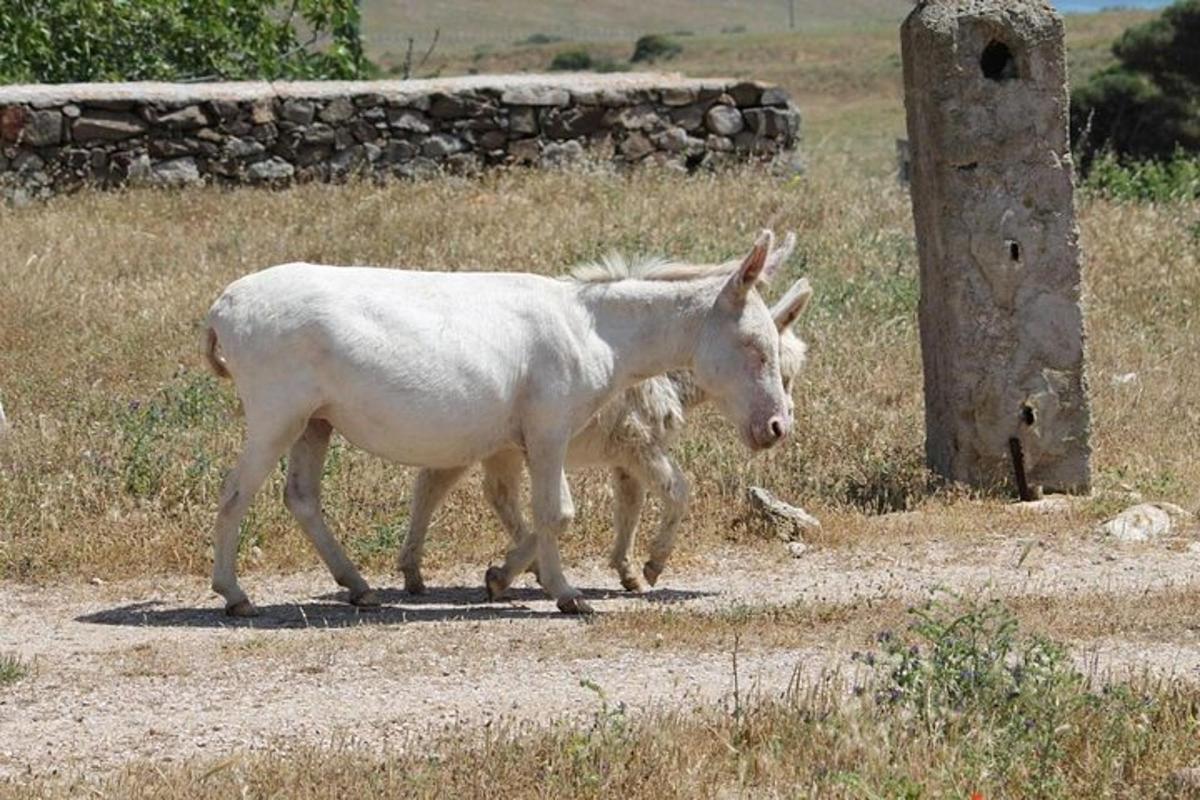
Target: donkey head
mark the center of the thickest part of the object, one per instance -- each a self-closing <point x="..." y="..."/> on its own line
<point x="737" y="358"/>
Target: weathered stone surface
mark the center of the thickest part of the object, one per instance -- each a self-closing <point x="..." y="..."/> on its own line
<point x="43" y="128"/>
<point x="185" y="119"/>
<point x="636" y="145"/>
<point x="270" y="170"/>
<point x="745" y="94"/>
<point x="1000" y="314"/>
<point x="406" y="119"/>
<point x="561" y="154"/>
<point x="674" y="140"/>
<point x="319" y="134"/>
<point x="440" y="145"/>
<point x="768" y="121"/>
<point x="535" y="96"/>
<point x="449" y="106"/>
<point x="569" y="123"/>
<point x="243" y="148"/>
<point x="724" y="120"/>
<point x="679" y="95"/>
<point x="176" y="172"/>
<point x="691" y="117"/>
<point x="106" y="126"/>
<point x="642" y="117"/>
<point x="400" y="151"/>
<point x="773" y="517"/>
<point x="774" y="96"/>
<point x="173" y="148"/>
<point x="523" y="120"/>
<point x="338" y="110"/>
<point x="1144" y="522"/>
<point x="301" y="112"/>
<point x="525" y="151"/>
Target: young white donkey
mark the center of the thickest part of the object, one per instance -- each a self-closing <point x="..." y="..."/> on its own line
<point x="446" y="369"/>
<point x="631" y="435"/>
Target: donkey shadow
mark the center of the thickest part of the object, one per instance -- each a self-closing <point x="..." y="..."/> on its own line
<point x="446" y="604"/>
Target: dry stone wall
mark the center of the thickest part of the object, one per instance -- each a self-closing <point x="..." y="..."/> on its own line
<point x="58" y="138"/>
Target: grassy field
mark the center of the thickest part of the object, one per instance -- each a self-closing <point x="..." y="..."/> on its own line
<point x="121" y="439"/>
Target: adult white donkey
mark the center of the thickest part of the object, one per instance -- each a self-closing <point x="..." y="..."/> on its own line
<point x="445" y="369"/>
<point x="631" y="435"/>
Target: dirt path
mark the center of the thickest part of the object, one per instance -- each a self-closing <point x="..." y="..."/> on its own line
<point x="151" y="669"/>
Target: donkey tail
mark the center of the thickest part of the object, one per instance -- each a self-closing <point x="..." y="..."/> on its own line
<point x="215" y="362"/>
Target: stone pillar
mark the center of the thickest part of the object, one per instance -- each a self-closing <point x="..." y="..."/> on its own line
<point x="1002" y="330"/>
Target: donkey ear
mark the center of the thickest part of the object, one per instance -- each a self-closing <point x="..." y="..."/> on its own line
<point x="778" y="257"/>
<point x="751" y="268"/>
<point x="792" y="304"/>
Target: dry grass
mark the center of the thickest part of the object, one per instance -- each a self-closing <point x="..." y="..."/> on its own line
<point x="121" y="437"/>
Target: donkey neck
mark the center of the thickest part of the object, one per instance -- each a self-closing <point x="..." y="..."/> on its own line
<point x="650" y="327"/>
<point x="683" y="382"/>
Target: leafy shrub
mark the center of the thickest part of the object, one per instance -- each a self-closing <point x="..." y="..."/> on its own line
<point x="572" y="60"/>
<point x="1157" y="181"/>
<point x="655" y="47"/>
<point x="540" y="38"/>
<point x="58" y="41"/>
<point x="1148" y="104"/>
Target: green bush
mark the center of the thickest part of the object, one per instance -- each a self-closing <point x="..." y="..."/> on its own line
<point x="1152" y="180"/>
<point x="572" y="60"/>
<point x="655" y="47"/>
<point x="1148" y="104"/>
<point x="59" y="41"/>
<point x="540" y="38"/>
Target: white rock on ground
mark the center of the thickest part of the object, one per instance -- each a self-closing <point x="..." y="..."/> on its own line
<point x="1144" y="522"/>
<point x="786" y="522"/>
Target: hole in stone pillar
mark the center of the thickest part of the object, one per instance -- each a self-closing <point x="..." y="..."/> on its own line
<point x="1014" y="250"/>
<point x="997" y="62"/>
<point x="1028" y="415"/>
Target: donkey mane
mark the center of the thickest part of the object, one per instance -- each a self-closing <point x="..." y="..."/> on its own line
<point x="617" y="267"/>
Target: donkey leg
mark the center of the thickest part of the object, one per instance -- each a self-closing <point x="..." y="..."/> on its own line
<point x="302" y="496"/>
<point x="502" y="488"/>
<point x="431" y="487"/>
<point x="553" y="511"/>
<point x="628" y="497"/>
<point x="664" y="476"/>
<point x="265" y="443"/>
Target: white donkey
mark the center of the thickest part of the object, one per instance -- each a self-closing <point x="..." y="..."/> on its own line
<point x="446" y="369"/>
<point x="631" y="435"/>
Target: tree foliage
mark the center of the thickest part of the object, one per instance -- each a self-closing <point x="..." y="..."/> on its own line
<point x="1147" y="105"/>
<point x="61" y="41"/>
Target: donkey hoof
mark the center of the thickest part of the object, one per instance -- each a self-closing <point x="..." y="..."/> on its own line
<point x="413" y="584"/>
<point x="242" y="608"/>
<point x="652" y="571"/>
<point x="365" y="599"/>
<point x="632" y="583"/>
<point x="493" y="581"/>
<point x="575" y="605"/>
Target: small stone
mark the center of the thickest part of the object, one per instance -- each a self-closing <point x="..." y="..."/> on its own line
<point x="270" y="171"/>
<point x="720" y="144"/>
<point x="1186" y="780"/>
<point x="535" y="96"/>
<point x="440" y="145"/>
<point x="339" y="109"/>
<point x="786" y="522"/>
<point x="172" y="148"/>
<point x="690" y="118"/>
<point x="363" y="131"/>
<point x="453" y="106"/>
<point x="637" y="118"/>
<point x="561" y="154"/>
<point x="774" y="96"/>
<point x="797" y="549"/>
<point x="176" y="172"/>
<point x="319" y="134"/>
<point x="184" y="119"/>
<point x="678" y="95"/>
<point x="523" y="119"/>
<point x="27" y="162"/>
<point x="674" y="140"/>
<point x="768" y="121"/>
<point x="106" y="126"/>
<point x="300" y="112"/>
<point x="243" y="148"/>
<point x="70" y="111"/>
<point x="42" y="128"/>
<point x="262" y="112"/>
<point x="404" y="119"/>
<point x="745" y="94"/>
<point x="418" y="168"/>
<point x="398" y="151"/>
<point x="571" y="123"/>
<point x="525" y="151"/>
<point x="348" y="160"/>
<point x="492" y="140"/>
<point x="636" y="146"/>
<point x="1143" y="522"/>
<point x="1053" y="504"/>
<point x="724" y="120"/>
